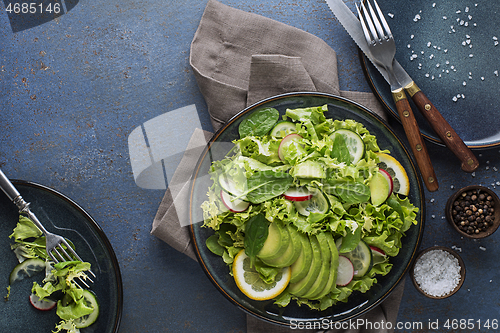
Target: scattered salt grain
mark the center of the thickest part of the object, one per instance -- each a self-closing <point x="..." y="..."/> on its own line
<point x="482" y="248"/>
<point x="391" y="15"/>
<point x="437" y="272"/>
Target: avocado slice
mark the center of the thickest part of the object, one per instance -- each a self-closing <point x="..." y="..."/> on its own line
<point x="324" y="272"/>
<point x="276" y="243"/>
<point x="334" y="263"/>
<point x="301" y="287"/>
<point x="292" y="252"/>
<point x="300" y="267"/>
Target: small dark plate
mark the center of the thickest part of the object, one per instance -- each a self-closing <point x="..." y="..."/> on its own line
<point x="462" y="271"/>
<point x="495" y="223"/>
<point x="449" y="66"/>
<point x="218" y="272"/>
<point x="60" y="215"/>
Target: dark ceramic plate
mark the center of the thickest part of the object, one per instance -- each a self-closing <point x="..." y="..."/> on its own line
<point x="61" y="215"/>
<point x="218" y="272"/>
<point x="461" y="81"/>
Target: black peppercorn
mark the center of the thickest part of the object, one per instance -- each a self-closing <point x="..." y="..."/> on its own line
<point x="473" y="211"/>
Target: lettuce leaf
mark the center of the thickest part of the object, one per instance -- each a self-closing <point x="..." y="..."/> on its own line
<point x="346" y="186"/>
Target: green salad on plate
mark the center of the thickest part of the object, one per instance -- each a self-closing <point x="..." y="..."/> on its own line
<point x="305" y="208"/>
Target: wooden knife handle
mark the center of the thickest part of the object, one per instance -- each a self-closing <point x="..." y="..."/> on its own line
<point x="415" y="139"/>
<point x="443" y="129"/>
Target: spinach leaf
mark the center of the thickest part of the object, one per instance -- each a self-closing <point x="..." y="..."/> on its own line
<point x="340" y="151"/>
<point x="259" y="123"/>
<point x="267" y="184"/>
<point x="256" y="232"/>
<point x="213" y="245"/>
<point x="351" y="240"/>
<point x="224" y="237"/>
<point x="351" y="192"/>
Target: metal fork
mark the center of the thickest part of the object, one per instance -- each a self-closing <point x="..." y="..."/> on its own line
<point x="57" y="247"/>
<point x="382" y="47"/>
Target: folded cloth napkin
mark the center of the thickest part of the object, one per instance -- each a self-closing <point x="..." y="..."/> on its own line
<point x="239" y="58"/>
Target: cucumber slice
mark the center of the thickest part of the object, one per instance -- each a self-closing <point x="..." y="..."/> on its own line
<point x="309" y="169"/>
<point x="27" y="268"/>
<point x="91" y="301"/>
<point x="361" y="258"/>
<point x="319" y="203"/>
<point x="282" y="129"/>
<point x="354" y="143"/>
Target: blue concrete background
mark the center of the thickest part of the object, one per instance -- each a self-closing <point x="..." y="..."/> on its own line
<point x="73" y="88"/>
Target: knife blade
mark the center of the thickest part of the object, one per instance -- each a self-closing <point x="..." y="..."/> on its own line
<point x="417" y="144"/>
<point x="443" y="129"/>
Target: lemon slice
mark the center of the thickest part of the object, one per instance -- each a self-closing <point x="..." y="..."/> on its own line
<point x="397" y="172"/>
<point x="250" y="283"/>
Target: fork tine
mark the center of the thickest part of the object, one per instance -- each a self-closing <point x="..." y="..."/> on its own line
<point x="76" y="256"/>
<point x="65" y="256"/>
<point x="383" y="20"/>
<point x="376" y="21"/>
<point x="366" y="16"/>
<point x="363" y="25"/>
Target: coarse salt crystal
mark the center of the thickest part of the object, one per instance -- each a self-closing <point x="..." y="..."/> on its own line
<point x="391" y="15"/>
<point x="437" y="272"/>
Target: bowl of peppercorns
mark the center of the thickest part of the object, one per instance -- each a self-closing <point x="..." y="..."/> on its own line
<point x="474" y="211"/>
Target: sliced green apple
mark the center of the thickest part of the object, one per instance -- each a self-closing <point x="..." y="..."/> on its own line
<point x="379" y="189"/>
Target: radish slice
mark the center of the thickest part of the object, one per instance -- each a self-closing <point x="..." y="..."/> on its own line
<point x="234" y="205"/>
<point x="377" y="250"/>
<point x="297" y="194"/>
<point x="345" y="271"/>
<point x="285" y="142"/>
<point x="42" y="305"/>
<point x="378" y="255"/>
<point x="389" y="179"/>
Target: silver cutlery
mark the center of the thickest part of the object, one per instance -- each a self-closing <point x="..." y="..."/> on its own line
<point x="57" y="247"/>
<point x="446" y="133"/>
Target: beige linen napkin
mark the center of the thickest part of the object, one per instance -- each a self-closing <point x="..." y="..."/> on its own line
<point x="239" y="58"/>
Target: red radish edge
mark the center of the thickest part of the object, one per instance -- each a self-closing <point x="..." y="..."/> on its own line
<point x="287" y="138"/>
<point x="237" y="206"/>
<point x="389" y="179"/>
<point x="345" y="276"/>
<point x="376" y="249"/>
<point x="297" y="194"/>
<point x="44" y="305"/>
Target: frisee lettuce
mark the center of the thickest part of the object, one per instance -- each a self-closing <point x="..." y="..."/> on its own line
<point x="345" y="185"/>
<point x="29" y="242"/>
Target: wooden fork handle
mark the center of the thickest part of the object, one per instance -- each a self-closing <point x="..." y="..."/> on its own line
<point x="415" y="139"/>
<point x="443" y="129"/>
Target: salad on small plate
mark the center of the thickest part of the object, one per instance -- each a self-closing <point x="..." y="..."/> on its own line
<point x="307" y="212"/>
